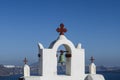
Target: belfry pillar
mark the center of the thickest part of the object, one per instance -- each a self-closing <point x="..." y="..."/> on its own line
<point x="92" y="66"/>
<point x="26" y="69"/>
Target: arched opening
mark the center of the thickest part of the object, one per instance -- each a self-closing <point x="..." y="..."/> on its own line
<point x="63" y="60"/>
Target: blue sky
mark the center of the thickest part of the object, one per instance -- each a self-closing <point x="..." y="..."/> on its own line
<point x="93" y="23"/>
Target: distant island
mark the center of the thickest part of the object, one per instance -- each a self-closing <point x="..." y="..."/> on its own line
<point x="106" y="68"/>
<point x="7" y="71"/>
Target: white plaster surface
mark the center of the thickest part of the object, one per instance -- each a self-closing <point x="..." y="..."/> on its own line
<point x="94" y="77"/>
<point x="26" y="70"/>
<point x="92" y="68"/>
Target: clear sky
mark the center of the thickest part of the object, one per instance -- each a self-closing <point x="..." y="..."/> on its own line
<point x="93" y="23"/>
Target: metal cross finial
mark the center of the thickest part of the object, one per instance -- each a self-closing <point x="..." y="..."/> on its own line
<point x="25" y="60"/>
<point x="61" y="30"/>
<point x="92" y="59"/>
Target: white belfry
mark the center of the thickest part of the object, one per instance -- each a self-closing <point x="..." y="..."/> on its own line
<point x="75" y="61"/>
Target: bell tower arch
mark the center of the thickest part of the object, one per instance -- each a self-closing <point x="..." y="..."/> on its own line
<point x="62" y="40"/>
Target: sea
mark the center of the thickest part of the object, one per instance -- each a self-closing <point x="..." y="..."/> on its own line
<point x="109" y="75"/>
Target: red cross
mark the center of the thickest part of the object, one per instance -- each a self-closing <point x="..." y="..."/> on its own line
<point x="25" y="60"/>
<point x="62" y="30"/>
<point x="92" y="59"/>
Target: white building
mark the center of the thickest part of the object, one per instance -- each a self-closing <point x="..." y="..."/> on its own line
<point x="9" y="66"/>
<point x="75" y="62"/>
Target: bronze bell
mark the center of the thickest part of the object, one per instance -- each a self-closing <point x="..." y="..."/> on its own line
<point x="61" y="58"/>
